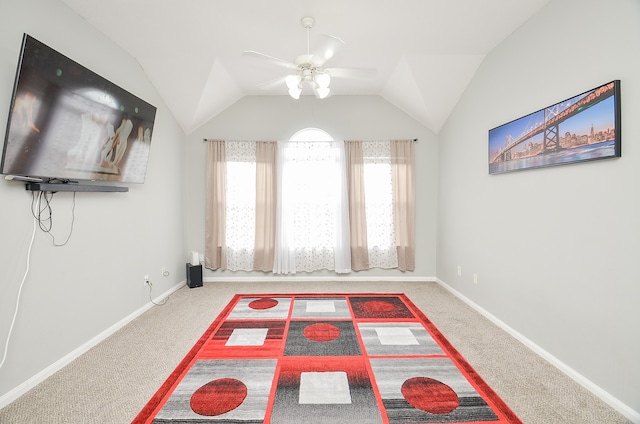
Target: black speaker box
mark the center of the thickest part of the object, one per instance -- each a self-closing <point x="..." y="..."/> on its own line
<point x="194" y="276"/>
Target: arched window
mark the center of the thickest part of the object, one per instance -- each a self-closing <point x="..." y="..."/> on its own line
<point x="311" y="134"/>
<point x="312" y="213"/>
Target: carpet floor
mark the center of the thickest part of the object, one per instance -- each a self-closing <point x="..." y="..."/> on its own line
<point x="113" y="381"/>
<point x="327" y="358"/>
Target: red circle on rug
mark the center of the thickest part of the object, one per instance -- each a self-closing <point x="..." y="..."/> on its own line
<point x="321" y="332"/>
<point x="264" y="303"/>
<point x="379" y="306"/>
<point x="427" y="394"/>
<point x="218" y="397"/>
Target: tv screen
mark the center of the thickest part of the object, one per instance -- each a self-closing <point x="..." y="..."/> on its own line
<point x="67" y="123"/>
<point x="583" y="128"/>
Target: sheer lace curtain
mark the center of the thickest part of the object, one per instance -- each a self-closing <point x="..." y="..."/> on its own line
<point x="312" y="217"/>
<point x="381" y="231"/>
<point x="240" y="199"/>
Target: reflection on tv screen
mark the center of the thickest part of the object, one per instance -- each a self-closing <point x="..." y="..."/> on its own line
<point x="68" y="123"/>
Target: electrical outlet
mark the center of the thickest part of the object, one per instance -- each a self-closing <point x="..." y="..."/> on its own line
<point x="459" y="271"/>
<point x="475" y="278"/>
<point x="146" y="280"/>
<point x="164" y="272"/>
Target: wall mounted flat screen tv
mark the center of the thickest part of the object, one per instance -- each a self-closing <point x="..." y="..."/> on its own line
<point x="585" y="127"/>
<point x="66" y="123"/>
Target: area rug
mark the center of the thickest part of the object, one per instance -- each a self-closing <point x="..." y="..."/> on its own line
<point x="324" y="358"/>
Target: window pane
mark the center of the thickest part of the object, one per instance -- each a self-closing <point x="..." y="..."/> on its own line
<point x="379" y="204"/>
<point x="311" y="179"/>
<point x="241" y="207"/>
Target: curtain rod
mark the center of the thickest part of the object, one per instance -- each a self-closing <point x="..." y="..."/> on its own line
<point x="217" y="139"/>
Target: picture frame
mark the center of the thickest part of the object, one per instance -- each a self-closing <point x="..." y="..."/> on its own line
<point x="585" y="127"/>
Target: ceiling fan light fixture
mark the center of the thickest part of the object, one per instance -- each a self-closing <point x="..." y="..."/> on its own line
<point x="295" y="92"/>
<point x="322" y="79"/>
<point x="293" y="81"/>
<point x="322" y="92"/>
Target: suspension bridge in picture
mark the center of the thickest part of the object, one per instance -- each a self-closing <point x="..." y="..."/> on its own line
<point x="553" y="117"/>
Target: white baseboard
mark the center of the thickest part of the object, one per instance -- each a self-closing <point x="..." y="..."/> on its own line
<point x="67" y="359"/>
<point x="628" y="412"/>
<point x="298" y="279"/>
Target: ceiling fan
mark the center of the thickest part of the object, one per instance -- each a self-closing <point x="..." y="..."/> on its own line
<point x="308" y="69"/>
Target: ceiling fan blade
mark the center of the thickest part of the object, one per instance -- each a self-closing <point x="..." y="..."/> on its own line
<point x="358" y="73"/>
<point x="270" y="59"/>
<point x="271" y="84"/>
<point x="326" y="48"/>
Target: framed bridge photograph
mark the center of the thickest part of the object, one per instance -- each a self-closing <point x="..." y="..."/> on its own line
<point x="583" y="128"/>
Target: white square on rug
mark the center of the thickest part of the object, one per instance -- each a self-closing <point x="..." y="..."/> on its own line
<point x="324" y="388"/>
<point x="396" y="336"/>
<point x="247" y="337"/>
<point x="321" y="306"/>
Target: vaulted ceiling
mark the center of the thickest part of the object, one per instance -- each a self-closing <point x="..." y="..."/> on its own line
<point x="424" y="52"/>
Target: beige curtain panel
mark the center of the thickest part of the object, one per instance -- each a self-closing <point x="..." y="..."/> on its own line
<point x="357" y="211"/>
<point x="215" y="250"/>
<point x="402" y="174"/>
<point x="266" y="197"/>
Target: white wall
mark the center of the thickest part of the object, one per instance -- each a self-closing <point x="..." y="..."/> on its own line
<point x="556" y="250"/>
<point x="345" y="118"/>
<point x="74" y="293"/>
